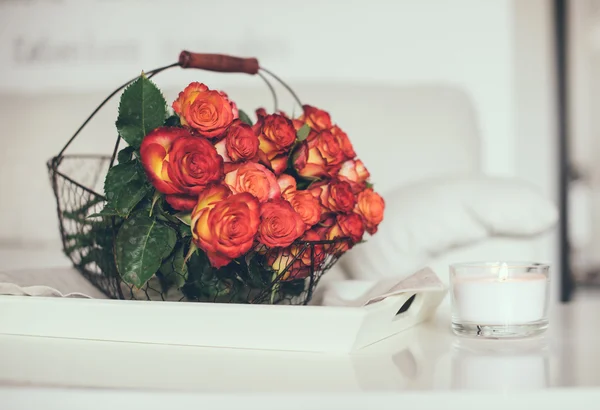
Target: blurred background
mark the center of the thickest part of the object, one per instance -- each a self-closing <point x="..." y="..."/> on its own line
<point x="485" y="72"/>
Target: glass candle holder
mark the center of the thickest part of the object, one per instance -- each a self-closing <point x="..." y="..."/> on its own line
<point x="499" y="299"/>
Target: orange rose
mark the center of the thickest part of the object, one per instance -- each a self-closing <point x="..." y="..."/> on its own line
<point x="180" y="165"/>
<point x="209" y="198"/>
<point x="224" y="225"/>
<point x="286" y="182"/>
<point x="347" y="226"/>
<point x="335" y="196"/>
<point x="255" y="179"/>
<point x="355" y="173"/>
<point x="275" y="133"/>
<point x="344" y="142"/>
<point x="240" y="143"/>
<point x="207" y="111"/>
<point x="320" y="155"/>
<point x="280" y="225"/>
<point x="370" y="206"/>
<point x="307" y="206"/>
<point x="317" y="119"/>
<point x="281" y="261"/>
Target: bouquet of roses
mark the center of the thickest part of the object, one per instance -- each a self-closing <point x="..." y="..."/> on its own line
<point x="207" y="201"/>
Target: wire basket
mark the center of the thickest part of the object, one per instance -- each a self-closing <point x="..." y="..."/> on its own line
<point x="89" y="241"/>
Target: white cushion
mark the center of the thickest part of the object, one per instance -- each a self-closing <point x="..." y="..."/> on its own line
<point x="425" y="220"/>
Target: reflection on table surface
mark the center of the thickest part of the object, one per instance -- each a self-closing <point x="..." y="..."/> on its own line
<point x="427" y="357"/>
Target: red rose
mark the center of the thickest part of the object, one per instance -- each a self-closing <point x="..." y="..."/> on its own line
<point x="255" y="179"/>
<point x="347" y="226"/>
<point x="343" y="142"/>
<point x="207" y="111"/>
<point x="317" y="119"/>
<point x="307" y="206"/>
<point x="335" y="196"/>
<point x="275" y="133"/>
<point x="320" y="155"/>
<point x="240" y="143"/>
<point x="180" y="165"/>
<point x="280" y="225"/>
<point x="370" y="206"/>
<point x="225" y="225"/>
<point x="355" y="173"/>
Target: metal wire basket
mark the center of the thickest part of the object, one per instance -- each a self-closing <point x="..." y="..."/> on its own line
<point x="76" y="180"/>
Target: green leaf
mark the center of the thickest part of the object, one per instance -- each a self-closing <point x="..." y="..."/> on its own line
<point x="259" y="276"/>
<point x="293" y="287"/>
<point x="173" y="121"/>
<point x="185" y="217"/>
<point x="369" y="185"/>
<point x="103" y="258"/>
<point x="80" y="213"/>
<point x="141" y="245"/>
<point x="142" y="109"/>
<point x="125" y="186"/>
<point x="108" y="210"/>
<point x="184" y="230"/>
<point x="303" y="132"/>
<point x="125" y="155"/>
<point x="175" y="269"/>
<point x="244" y="117"/>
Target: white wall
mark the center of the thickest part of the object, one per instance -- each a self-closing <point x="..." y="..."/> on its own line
<point x="467" y="43"/>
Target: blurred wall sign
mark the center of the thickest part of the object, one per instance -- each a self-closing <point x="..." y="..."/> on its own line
<point x="28" y="51"/>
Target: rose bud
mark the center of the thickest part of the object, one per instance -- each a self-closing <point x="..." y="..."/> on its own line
<point x="355" y="173"/>
<point x="261" y="112"/>
<point x="306" y="205"/>
<point x="209" y="112"/>
<point x="315" y="118"/>
<point x="335" y="196"/>
<point x="224" y="225"/>
<point x="180" y="165"/>
<point x="240" y="143"/>
<point x="370" y="207"/>
<point x="280" y="225"/>
<point x="320" y="155"/>
<point x="255" y="179"/>
<point x="343" y="142"/>
<point x="347" y="226"/>
<point x="276" y="134"/>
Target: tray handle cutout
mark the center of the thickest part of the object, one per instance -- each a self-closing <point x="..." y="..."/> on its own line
<point x="406" y="305"/>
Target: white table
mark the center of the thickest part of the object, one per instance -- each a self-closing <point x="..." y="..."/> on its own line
<point x="426" y="365"/>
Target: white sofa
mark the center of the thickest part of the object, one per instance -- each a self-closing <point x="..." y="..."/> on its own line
<point x="403" y="134"/>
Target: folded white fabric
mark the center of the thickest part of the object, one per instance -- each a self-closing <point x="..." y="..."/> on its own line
<point x="37" y="290"/>
<point x="52" y="282"/>
<point x="424" y="220"/>
<point x="357" y="293"/>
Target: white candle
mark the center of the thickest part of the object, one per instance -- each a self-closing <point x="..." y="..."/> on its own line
<point x="496" y="298"/>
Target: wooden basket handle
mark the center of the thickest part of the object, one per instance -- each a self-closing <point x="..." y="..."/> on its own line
<point x="218" y="62"/>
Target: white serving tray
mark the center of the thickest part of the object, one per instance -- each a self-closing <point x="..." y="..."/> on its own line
<point x="291" y="328"/>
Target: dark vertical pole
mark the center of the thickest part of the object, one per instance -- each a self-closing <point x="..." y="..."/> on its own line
<point x="561" y="40"/>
